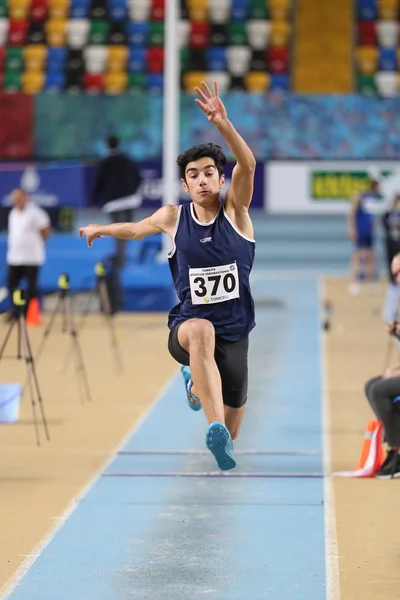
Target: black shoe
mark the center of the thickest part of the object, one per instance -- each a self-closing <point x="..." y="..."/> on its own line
<point x="391" y="467"/>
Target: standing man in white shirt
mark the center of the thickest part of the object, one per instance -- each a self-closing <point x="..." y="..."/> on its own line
<point x="28" y="230"/>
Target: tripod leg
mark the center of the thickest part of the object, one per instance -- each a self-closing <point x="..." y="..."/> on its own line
<point x="84" y="314"/>
<point x="12" y="323"/>
<point x="32" y="377"/>
<point x="22" y="332"/>
<point x="106" y="306"/>
<point x="48" y="328"/>
<point x="80" y="367"/>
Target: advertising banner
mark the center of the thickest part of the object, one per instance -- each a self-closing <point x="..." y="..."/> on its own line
<point x="16" y="126"/>
<point x="327" y="187"/>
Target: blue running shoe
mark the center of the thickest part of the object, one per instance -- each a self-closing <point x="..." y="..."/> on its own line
<point x="219" y="442"/>
<point x="193" y="401"/>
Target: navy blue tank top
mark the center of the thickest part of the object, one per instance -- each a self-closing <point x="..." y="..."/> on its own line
<point x="210" y="265"/>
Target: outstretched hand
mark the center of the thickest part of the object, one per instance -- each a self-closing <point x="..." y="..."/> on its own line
<point x="211" y="104"/>
<point x="91" y="232"/>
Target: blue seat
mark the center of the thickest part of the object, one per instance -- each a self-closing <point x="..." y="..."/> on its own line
<point x="216" y="59"/>
<point x="137" y="33"/>
<point x="56" y="58"/>
<point x="55" y="81"/>
<point x="387" y="59"/>
<point x="367" y="10"/>
<point x="117" y="10"/>
<point x="79" y="9"/>
<point x="240" y="10"/>
<point x="137" y="60"/>
<point x="279" y="81"/>
<point x="155" y="82"/>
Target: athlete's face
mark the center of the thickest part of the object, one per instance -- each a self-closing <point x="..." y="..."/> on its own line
<point x="203" y="182"/>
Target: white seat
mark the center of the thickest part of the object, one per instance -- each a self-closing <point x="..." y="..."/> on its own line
<point x="3" y="31"/>
<point x="77" y="32"/>
<point x="388" y="33"/>
<point x="258" y="33"/>
<point x="222" y="78"/>
<point x="139" y="10"/>
<point x="95" y="58"/>
<point x="183" y="32"/>
<point x="238" y="59"/>
<point x="219" y="11"/>
<point x="386" y="83"/>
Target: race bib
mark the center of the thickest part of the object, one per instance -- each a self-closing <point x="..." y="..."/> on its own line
<point x="210" y="285"/>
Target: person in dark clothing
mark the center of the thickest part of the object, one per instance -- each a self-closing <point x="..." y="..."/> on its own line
<point x="115" y="188"/>
<point x="391" y="224"/>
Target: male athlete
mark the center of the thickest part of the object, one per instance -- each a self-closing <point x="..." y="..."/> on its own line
<point x="210" y="262"/>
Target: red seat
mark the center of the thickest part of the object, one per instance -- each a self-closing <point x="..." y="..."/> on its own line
<point x="367" y="33"/>
<point x="199" y="35"/>
<point x="17" y="32"/>
<point x="93" y="82"/>
<point x="2" y="55"/>
<point x="278" y="60"/>
<point x="155" y="60"/>
<point x="157" y="11"/>
<point x="39" y="10"/>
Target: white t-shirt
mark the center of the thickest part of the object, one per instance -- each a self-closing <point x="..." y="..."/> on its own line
<point x="25" y="243"/>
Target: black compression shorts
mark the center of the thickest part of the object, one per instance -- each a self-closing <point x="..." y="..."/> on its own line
<point x="231" y="359"/>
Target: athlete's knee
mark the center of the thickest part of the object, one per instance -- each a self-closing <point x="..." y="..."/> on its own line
<point x="200" y="333"/>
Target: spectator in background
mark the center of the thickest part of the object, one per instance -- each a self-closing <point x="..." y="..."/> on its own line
<point x="361" y="232"/>
<point x="28" y="230"/>
<point x="117" y="181"/>
<point x="391" y="224"/>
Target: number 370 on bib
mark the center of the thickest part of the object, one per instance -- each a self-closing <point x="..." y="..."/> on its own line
<point x="210" y="285"/>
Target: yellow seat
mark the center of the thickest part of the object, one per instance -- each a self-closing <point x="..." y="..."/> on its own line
<point x="198" y="10"/>
<point x="279" y="35"/>
<point x="35" y="57"/>
<point x="32" y="82"/>
<point x="257" y="82"/>
<point x="388" y="9"/>
<point x="192" y="79"/>
<point x="117" y="57"/>
<point x="56" y="32"/>
<point x="58" y="9"/>
<point x="115" y="82"/>
<point x="367" y="59"/>
<point x="18" y="10"/>
<point x="278" y="9"/>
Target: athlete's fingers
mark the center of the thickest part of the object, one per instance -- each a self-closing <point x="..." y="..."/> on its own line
<point x="202" y="106"/>
<point x="201" y="94"/>
<point x="216" y="89"/>
<point x="207" y="89"/>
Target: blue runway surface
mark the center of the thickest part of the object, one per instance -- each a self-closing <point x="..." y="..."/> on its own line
<point x="144" y="531"/>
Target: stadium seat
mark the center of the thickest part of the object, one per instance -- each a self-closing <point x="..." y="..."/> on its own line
<point x="219" y="34"/>
<point x="258" y="33"/>
<point x="183" y="32"/>
<point x="237" y="84"/>
<point x="367" y="33"/>
<point x="279" y="81"/>
<point x="115" y="82"/>
<point x="18" y="10"/>
<point x="197" y="60"/>
<point x="367" y="60"/>
<point x="95" y="58"/>
<point x="58" y="9"/>
<point x="237" y="33"/>
<point x="117" y="34"/>
<point x="79" y="9"/>
<point x="238" y="59"/>
<point x="3" y="9"/>
<point x="240" y="10"/>
<point x="14" y="59"/>
<point x="156" y="33"/>
<point x="17" y="32"/>
<point x="155" y="60"/>
<point x="387" y="84"/>
<point x="197" y="10"/>
<point x="155" y="83"/>
<point x="258" y="9"/>
<point x="257" y="82"/>
<point x="3" y="31"/>
<point x="278" y="60"/>
<point x="56" y="32"/>
<point x="388" y="9"/>
<point x="32" y="82"/>
<point x="35" y="57"/>
<point x="12" y="81"/>
<point x="258" y="61"/>
<point x="36" y="32"/>
<point x="367" y="10"/>
<point x="222" y="78"/>
<point x="136" y="82"/>
<point x="77" y="32"/>
<point x="55" y="81"/>
<point x="279" y="35"/>
<point x="219" y="11"/>
<point x="137" y="33"/>
<point x="99" y="31"/>
<point x="38" y="10"/>
<point x="157" y="10"/>
<point x="2" y="58"/>
<point x="192" y="79"/>
<point x="199" y="35"/>
<point x="216" y="58"/>
<point x="93" y="82"/>
<point x="139" y="10"/>
<point x="388" y="33"/>
<point x="387" y="59"/>
<point x="56" y="59"/>
<point x="98" y="10"/>
<point x="117" y="10"/>
<point x="366" y="84"/>
<point x="137" y="60"/>
<point x="279" y="9"/>
<point x="117" y="58"/>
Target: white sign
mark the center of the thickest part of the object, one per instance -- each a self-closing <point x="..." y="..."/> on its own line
<point x="326" y="187"/>
<point x="214" y="284"/>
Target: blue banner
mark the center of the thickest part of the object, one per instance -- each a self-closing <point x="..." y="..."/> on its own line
<point x="48" y="185"/>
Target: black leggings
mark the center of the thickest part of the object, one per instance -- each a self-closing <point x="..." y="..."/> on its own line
<point x="16" y="274"/>
<point x="381" y="393"/>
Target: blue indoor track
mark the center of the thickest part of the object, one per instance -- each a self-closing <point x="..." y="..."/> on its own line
<point x="169" y="526"/>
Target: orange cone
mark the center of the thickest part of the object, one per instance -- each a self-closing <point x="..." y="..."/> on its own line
<point x="372" y="453"/>
<point x="33" y="313"/>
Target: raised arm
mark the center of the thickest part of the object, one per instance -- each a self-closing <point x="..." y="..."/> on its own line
<point x="162" y="221"/>
<point x="241" y="191"/>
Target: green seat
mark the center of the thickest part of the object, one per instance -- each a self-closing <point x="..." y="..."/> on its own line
<point x="366" y="84"/>
<point x="99" y="31"/>
<point x="12" y="81"/>
<point x="184" y="52"/>
<point x="3" y="8"/>
<point x="156" y="34"/>
<point x="14" y="60"/>
<point x="259" y="9"/>
<point x="136" y="82"/>
<point x="237" y="33"/>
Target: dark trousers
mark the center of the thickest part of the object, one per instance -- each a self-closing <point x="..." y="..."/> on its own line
<point x="392" y="248"/>
<point x="380" y="393"/>
<point x="16" y="274"/>
<point x="121" y="216"/>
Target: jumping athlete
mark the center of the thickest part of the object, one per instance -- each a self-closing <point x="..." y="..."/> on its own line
<point x="210" y="262"/>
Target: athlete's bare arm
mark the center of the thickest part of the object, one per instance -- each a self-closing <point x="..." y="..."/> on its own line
<point x="162" y="221"/>
<point x="239" y="195"/>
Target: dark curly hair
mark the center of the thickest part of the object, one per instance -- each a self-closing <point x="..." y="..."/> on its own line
<point x="201" y="151"/>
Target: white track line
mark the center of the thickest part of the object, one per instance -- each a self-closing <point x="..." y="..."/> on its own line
<point x="21" y="571"/>
<point x="331" y="544"/>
